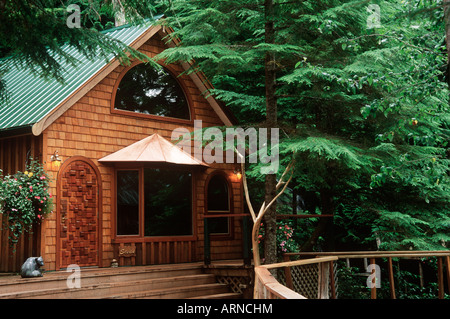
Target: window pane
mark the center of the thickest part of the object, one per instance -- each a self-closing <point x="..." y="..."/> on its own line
<point x="145" y="89"/>
<point x="127" y="202"/>
<point x="168" y="202"/>
<point x="218" y="194"/>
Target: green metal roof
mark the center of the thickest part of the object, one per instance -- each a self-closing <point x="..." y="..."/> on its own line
<point x="31" y="97"/>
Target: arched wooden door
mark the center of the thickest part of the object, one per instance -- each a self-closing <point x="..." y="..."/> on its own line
<point x="78" y="218"/>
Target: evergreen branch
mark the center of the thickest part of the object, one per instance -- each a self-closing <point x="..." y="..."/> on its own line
<point x="395" y="38"/>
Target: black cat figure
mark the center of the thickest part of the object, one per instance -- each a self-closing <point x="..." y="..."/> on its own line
<point x="31" y="267"/>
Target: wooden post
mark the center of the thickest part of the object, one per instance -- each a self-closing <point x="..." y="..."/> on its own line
<point x="447" y="270"/>
<point x="420" y="274"/>
<point x="333" y="287"/>
<point x="323" y="281"/>
<point x="144" y="253"/>
<point x="391" y="278"/>
<point x="440" y="279"/>
<point x="373" y="289"/>
<point x="121" y="259"/>
<point x="133" y="257"/>
<point x="246" y="241"/>
<point x="288" y="274"/>
<point x="207" y="244"/>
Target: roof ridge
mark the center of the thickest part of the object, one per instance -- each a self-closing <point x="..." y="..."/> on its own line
<point x="158" y="138"/>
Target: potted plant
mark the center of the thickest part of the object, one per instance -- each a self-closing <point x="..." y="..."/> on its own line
<point x="25" y="199"/>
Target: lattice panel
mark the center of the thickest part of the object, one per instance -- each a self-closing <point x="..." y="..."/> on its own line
<point x="336" y="281"/>
<point x="234" y="282"/>
<point x="305" y="279"/>
<point x="78" y="215"/>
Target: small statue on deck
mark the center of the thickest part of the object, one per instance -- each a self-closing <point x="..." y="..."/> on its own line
<point x="31" y="267"/>
<point x="114" y="263"/>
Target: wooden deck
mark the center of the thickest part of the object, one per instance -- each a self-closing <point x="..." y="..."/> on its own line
<point x="223" y="279"/>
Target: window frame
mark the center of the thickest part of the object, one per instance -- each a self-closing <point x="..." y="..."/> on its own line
<point x="116" y="210"/>
<point x="180" y="80"/>
<point x="141" y="236"/>
<point x="230" y="234"/>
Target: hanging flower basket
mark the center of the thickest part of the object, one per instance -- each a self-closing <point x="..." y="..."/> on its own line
<point x="25" y="199"/>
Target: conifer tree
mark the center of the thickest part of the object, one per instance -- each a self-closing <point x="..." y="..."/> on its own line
<point x="34" y="31"/>
<point x="239" y="36"/>
<point x="361" y="100"/>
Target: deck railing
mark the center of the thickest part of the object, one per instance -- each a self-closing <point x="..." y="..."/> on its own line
<point x="443" y="258"/>
<point x="267" y="287"/>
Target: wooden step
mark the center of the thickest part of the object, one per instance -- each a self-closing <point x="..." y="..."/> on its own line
<point x="176" y="293"/>
<point x="226" y="295"/>
<point x="106" y="289"/>
<point x="94" y="276"/>
<point x="179" y="281"/>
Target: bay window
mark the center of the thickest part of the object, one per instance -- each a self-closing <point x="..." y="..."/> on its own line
<point x="154" y="202"/>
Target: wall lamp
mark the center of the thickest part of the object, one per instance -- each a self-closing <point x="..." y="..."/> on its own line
<point x="56" y="160"/>
<point x="238" y="174"/>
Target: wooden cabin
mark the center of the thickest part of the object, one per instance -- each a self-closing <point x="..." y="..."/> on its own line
<point x="124" y="190"/>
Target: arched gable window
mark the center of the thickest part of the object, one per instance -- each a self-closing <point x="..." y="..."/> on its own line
<point x="146" y="89"/>
<point x="218" y="202"/>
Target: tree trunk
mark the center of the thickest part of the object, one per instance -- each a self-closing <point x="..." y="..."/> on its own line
<point x="312" y="240"/>
<point x="447" y="35"/>
<point x="324" y="225"/>
<point x="270" y="244"/>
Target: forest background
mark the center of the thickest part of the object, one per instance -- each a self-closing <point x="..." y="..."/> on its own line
<point x="358" y="89"/>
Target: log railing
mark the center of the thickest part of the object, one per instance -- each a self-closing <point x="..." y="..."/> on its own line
<point x="443" y="258"/>
<point x="267" y="287"/>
